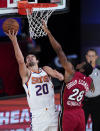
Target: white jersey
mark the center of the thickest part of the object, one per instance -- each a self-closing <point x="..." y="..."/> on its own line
<point x="96" y="80"/>
<point x="39" y="90"/>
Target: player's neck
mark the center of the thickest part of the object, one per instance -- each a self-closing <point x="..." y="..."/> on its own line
<point x="93" y="65"/>
<point x="34" y="68"/>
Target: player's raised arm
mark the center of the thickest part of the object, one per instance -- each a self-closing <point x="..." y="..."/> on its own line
<point x="20" y="59"/>
<point x="58" y="49"/>
<point x="53" y="73"/>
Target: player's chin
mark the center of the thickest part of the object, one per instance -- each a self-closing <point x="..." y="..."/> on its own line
<point x="31" y="64"/>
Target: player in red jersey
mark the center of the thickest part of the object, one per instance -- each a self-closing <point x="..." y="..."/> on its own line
<point x="77" y="83"/>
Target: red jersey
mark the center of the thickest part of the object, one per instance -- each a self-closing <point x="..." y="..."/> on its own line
<point x="75" y="90"/>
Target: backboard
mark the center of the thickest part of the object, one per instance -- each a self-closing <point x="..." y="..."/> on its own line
<point x="9" y="7"/>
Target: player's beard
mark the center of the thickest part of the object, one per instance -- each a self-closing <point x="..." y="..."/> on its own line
<point x="31" y="64"/>
<point x="91" y="62"/>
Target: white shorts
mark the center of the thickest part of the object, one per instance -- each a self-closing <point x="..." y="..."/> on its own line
<point x="44" y="120"/>
<point x="45" y="128"/>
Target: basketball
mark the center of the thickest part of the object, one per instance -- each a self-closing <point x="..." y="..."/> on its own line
<point x="10" y="24"/>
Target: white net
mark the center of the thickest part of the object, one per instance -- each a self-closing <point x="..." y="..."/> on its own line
<point x="35" y="18"/>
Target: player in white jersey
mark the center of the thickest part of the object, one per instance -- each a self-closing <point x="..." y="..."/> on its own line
<point x="39" y="89"/>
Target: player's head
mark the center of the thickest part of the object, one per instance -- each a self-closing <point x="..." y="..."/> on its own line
<point x="91" y="56"/>
<point x="85" y="68"/>
<point x="31" y="60"/>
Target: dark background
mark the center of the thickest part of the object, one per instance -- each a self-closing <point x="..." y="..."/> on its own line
<point x="66" y="29"/>
<point x="90" y="26"/>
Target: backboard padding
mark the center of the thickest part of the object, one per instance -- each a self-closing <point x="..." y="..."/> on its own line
<point x="10" y="6"/>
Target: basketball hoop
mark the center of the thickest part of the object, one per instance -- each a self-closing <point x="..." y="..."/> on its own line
<point x="36" y="12"/>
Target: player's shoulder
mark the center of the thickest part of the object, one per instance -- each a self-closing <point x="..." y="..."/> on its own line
<point x="82" y="76"/>
<point x="77" y="73"/>
<point x="89" y="78"/>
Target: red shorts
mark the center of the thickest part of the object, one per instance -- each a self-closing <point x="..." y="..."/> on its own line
<point x="73" y="120"/>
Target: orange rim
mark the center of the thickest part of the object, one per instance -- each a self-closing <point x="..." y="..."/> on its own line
<point x="23" y="5"/>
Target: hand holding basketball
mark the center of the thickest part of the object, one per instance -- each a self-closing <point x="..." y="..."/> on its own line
<point x="12" y="36"/>
<point x="10" y="24"/>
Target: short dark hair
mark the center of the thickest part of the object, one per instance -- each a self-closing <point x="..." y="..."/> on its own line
<point x="87" y="69"/>
<point x="91" y="50"/>
<point x="27" y="55"/>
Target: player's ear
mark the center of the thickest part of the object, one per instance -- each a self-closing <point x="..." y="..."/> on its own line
<point x="38" y="61"/>
<point x="97" y="57"/>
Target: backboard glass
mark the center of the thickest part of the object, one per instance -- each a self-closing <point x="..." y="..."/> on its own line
<point x="9" y="7"/>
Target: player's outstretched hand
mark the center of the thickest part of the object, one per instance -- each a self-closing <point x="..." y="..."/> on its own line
<point x="44" y="27"/>
<point x="12" y="35"/>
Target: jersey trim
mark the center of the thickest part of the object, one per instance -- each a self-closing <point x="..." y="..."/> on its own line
<point x="37" y="72"/>
<point x="28" y="80"/>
